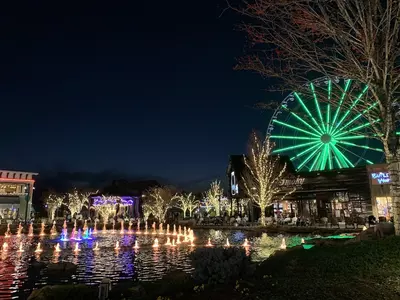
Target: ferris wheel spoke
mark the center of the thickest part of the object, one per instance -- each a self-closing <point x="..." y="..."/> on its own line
<point x="360" y="146"/>
<point x="340" y="103"/>
<point x="308" y="158"/>
<point x="328" y="107"/>
<point x="335" y="128"/>
<point x="356" y="128"/>
<point x="341" y="157"/>
<point x="305" y="123"/>
<point x="295" y="147"/>
<point x="289" y="137"/>
<point x="350" y="137"/>
<point x="355" y="118"/>
<point x="324" y="158"/>
<point x="297" y="156"/>
<point x="316" y="159"/>
<point x="317" y="106"/>
<point x="308" y="112"/>
<point x="295" y="128"/>
<point x="356" y="155"/>
<point x="330" y="163"/>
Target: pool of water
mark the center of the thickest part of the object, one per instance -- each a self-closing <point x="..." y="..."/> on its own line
<point x="17" y="276"/>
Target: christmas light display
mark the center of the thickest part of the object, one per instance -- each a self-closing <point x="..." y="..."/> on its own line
<point x="53" y="202"/>
<point x="76" y="201"/>
<point x="158" y="201"/>
<point x="213" y="195"/>
<point x="186" y="202"/>
<point x="263" y="174"/>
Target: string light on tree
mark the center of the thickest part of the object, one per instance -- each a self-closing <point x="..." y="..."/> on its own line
<point x="186" y="202"/>
<point x="213" y="196"/>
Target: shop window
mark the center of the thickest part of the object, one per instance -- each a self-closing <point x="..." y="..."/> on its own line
<point x="384" y="206"/>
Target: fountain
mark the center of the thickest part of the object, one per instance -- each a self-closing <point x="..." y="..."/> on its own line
<point x="104" y="228"/>
<point x="8" y="232"/>
<point x="130" y="228"/>
<point x="227" y="243"/>
<point x="160" y="229"/>
<point x="113" y="227"/>
<point x="86" y="234"/>
<point x="79" y="235"/>
<point x="20" y="249"/>
<point x="174" y="232"/>
<point x="154" y="228"/>
<point x="178" y="241"/>
<point x="38" y="249"/>
<point x="302" y="241"/>
<point x="138" y="227"/>
<point x="168" y="243"/>
<point x="42" y="229"/>
<point x="30" y="232"/>
<point x="173" y="243"/>
<point x="96" y="248"/>
<point x="179" y="230"/>
<point x="85" y="226"/>
<point x="122" y="231"/>
<point x="155" y="244"/>
<point x="19" y="230"/>
<point x="283" y="244"/>
<point x="117" y="246"/>
<point x="209" y="243"/>
<point x="168" y="233"/>
<point x="4" y="248"/>
<point x="136" y="245"/>
<point x="64" y="233"/>
<point x="192" y="244"/>
<point x="57" y="248"/>
<point x="95" y="227"/>
<point x="53" y="230"/>
<point x="145" y="228"/>
<point x="246" y="243"/>
<point x="73" y="233"/>
<point x="77" y="248"/>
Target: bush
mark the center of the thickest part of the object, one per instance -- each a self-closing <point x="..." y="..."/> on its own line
<point x="219" y="265"/>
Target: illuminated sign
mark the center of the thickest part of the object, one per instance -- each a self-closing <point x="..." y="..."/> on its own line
<point x="380" y="178"/>
<point x="293" y="182"/>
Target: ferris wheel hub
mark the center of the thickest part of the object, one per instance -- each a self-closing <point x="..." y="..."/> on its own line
<point x="326" y="138"/>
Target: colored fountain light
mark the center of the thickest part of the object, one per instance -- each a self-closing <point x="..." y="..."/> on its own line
<point x="4" y="247"/>
<point x="20" y="249"/>
<point x="283" y="244"/>
<point x="174" y="231"/>
<point x="38" y="248"/>
<point x="138" y="227"/>
<point x="57" y="248"/>
<point x="154" y="228"/>
<point x="42" y="229"/>
<point x="130" y="228"/>
<point x="85" y="226"/>
<point x="122" y="231"/>
<point x="136" y="245"/>
<point x="160" y="229"/>
<point x="95" y="227"/>
<point x="227" y="243"/>
<point x="19" y="230"/>
<point x="246" y="243"/>
<point x="78" y="237"/>
<point x="303" y="241"/>
<point x="73" y="233"/>
<point x="86" y="234"/>
<point x="77" y="249"/>
<point x="53" y="230"/>
<point x="155" y="244"/>
<point x="30" y="232"/>
<point x="168" y="243"/>
<point x="117" y="246"/>
<point x="64" y="235"/>
<point x="209" y="243"/>
<point x="96" y="248"/>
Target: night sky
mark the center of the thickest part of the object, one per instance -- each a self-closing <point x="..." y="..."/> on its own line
<point x="146" y="89"/>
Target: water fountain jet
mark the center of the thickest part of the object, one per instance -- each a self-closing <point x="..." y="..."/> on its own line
<point x="117" y="246"/>
<point x="168" y="233"/>
<point x="138" y="227"/>
<point x="95" y="227"/>
<point x="160" y="229"/>
<point x="20" y="249"/>
<point x="155" y="244"/>
<point x="174" y="232"/>
<point x="209" y="243"/>
<point x="154" y="228"/>
<point x="122" y="231"/>
<point x="57" y="248"/>
<point x="168" y="243"/>
<point x="42" y="229"/>
<point x="38" y="249"/>
<point x="283" y="244"/>
<point x="8" y="232"/>
<point x="77" y="248"/>
<point x="19" y="230"/>
<point x="53" y="230"/>
<point x="246" y="243"/>
<point x="85" y="226"/>
<point x="227" y="243"/>
<point x="30" y="232"/>
<point x="4" y="248"/>
<point x="136" y="245"/>
<point x="145" y="228"/>
<point x="96" y="247"/>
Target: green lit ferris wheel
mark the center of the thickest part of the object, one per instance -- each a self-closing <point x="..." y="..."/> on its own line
<point x="326" y="126"/>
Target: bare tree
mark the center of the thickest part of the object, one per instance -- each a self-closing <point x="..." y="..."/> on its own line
<point x="213" y="196"/>
<point x="296" y="40"/>
<point x="186" y="202"/>
<point x="263" y="175"/>
<point x="158" y="201"/>
<point x="53" y="202"/>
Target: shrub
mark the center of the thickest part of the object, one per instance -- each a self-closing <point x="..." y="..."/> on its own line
<point x="219" y="265"/>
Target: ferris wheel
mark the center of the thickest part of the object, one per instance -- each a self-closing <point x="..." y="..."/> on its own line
<point x="327" y="126"/>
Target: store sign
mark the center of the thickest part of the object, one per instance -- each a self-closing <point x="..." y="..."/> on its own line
<point x="295" y="182"/>
<point x="379" y="178"/>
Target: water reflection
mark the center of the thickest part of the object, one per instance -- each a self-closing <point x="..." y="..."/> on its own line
<point x="19" y="272"/>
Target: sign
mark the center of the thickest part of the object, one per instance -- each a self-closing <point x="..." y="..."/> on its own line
<point x="379" y="178"/>
<point x="293" y="182"/>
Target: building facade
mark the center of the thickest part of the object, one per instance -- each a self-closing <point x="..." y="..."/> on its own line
<point x="16" y="190"/>
<point x="338" y="193"/>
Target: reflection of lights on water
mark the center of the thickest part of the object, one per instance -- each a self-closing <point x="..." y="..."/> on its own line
<point x="246" y="243"/>
<point x="136" y="245"/>
<point x="77" y="249"/>
<point x="38" y="249"/>
<point x="155" y="244"/>
<point x="57" y="248"/>
<point x="117" y="246"/>
<point x="96" y="248"/>
<point x="168" y="243"/>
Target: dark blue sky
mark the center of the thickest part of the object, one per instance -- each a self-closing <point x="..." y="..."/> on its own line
<point x="141" y="88"/>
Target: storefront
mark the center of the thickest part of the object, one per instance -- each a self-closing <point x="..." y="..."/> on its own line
<point x="16" y="189"/>
<point x="380" y="190"/>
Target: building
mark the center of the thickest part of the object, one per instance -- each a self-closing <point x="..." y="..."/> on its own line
<point x="16" y="190"/>
<point x="338" y="193"/>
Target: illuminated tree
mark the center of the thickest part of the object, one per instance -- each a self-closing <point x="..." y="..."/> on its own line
<point x="263" y="175"/>
<point x="76" y="201"/>
<point x="226" y="206"/>
<point x="213" y="196"/>
<point x="53" y="202"/>
<point x="351" y="39"/>
<point x="158" y="201"/>
<point x="147" y="211"/>
<point x="186" y="202"/>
